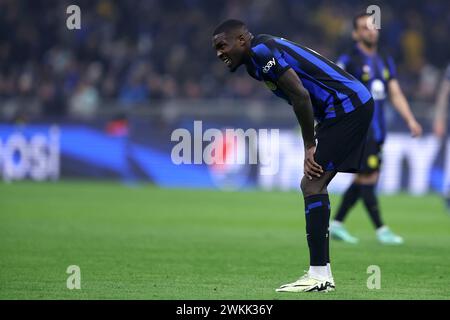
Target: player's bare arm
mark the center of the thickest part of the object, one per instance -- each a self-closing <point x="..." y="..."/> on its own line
<point x="440" y="117"/>
<point x="402" y="106"/>
<point x="292" y="86"/>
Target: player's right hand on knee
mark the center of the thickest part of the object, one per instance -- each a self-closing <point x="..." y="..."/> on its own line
<point x="311" y="167"/>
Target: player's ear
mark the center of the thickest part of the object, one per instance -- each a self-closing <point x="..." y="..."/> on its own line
<point x="241" y="39"/>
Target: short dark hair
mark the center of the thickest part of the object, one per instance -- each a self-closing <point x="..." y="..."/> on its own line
<point x="357" y="17"/>
<point x="228" y="25"/>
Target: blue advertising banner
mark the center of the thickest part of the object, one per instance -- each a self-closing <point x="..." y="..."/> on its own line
<point x="196" y="154"/>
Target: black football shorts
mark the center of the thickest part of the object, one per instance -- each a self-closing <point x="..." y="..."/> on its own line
<point x="341" y="141"/>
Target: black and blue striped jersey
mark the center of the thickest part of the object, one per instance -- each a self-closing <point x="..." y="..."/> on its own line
<point x="333" y="91"/>
<point x="374" y="71"/>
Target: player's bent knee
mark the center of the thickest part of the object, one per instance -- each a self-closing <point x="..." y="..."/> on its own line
<point x="312" y="187"/>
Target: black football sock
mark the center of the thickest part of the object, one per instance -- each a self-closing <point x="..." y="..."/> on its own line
<point x="368" y="194"/>
<point x="350" y="197"/>
<point x="317" y="213"/>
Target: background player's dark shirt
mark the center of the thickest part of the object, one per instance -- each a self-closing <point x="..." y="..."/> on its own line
<point x="333" y="91"/>
<point x="374" y="71"/>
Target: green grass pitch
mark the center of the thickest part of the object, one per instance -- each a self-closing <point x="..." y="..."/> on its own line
<point x="150" y="243"/>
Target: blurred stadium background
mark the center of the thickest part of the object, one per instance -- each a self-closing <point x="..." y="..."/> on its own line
<point x="116" y="89"/>
<point x="100" y="104"/>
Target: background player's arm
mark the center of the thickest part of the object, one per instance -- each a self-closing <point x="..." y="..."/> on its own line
<point x="402" y="106"/>
<point x="292" y="86"/>
<point x="440" y="117"/>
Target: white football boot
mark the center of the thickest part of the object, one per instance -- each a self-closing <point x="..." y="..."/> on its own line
<point x="308" y="284"/>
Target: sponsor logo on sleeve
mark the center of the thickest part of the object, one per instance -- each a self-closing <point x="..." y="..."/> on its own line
<point x="269" y="65"/>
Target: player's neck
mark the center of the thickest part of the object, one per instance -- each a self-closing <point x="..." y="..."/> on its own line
<point x="247" y="58"/>
<point x="367" y="49"/>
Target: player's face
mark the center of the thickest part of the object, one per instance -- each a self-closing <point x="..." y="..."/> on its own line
<point x="230" y="48"/>
<point x="366" y="32"/>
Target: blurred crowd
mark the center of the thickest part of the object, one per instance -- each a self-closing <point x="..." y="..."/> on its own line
<point x="138" y="52"/>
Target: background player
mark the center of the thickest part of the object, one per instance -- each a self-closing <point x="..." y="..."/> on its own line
<point x="377" y="72"/>
<point x="440" y="120"/>
<point x="316" y="88"/>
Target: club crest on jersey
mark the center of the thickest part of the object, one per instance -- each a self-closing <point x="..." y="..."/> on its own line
<point x="272" y="86"/>
<point x="386" y="73"/>
<point x="269" y="65"/>
<point x="366" y="73"/>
